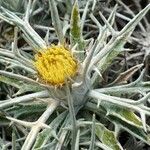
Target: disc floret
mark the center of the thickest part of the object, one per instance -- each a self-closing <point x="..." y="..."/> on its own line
<point x="55" y="64"/>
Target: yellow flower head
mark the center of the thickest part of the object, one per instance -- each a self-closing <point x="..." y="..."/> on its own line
<point x="55" y="64"/>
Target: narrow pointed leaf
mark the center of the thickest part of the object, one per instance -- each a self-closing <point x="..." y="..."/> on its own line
<point x="107" y="137"/>
<point x="76" y="33"/>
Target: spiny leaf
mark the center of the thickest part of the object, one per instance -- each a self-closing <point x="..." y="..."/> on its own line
<point x="134" y="130"/>
<point x="29" y="33"/>
<point x="127" y="120"/>
<point x="45" y="135"/>
<point x="107" y="137"/>
<point x="124" y="114"/>
<point x="115" y="45"/>
<point x="25" y="110"/>
<point x="23" y="87"/>
<point x="76" y="33"/>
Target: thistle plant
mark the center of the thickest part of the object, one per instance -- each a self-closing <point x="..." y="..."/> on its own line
<point x="61" y="92"/>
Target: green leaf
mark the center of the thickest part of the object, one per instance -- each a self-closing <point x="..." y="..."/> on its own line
<point x="107" y="60"/>
<point x="76" y="33"/>
<point x="124" y="114"/>
<point x="134" y="130"/>
<point x="21" y="111"/>
<point x="12" y="82"/>
<point x="45" y="135"/>
<point x="127" y="120"/>
<point x="15" y="5"/>
<point x="107" y="137"/>
<point x="23" y="87"/>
